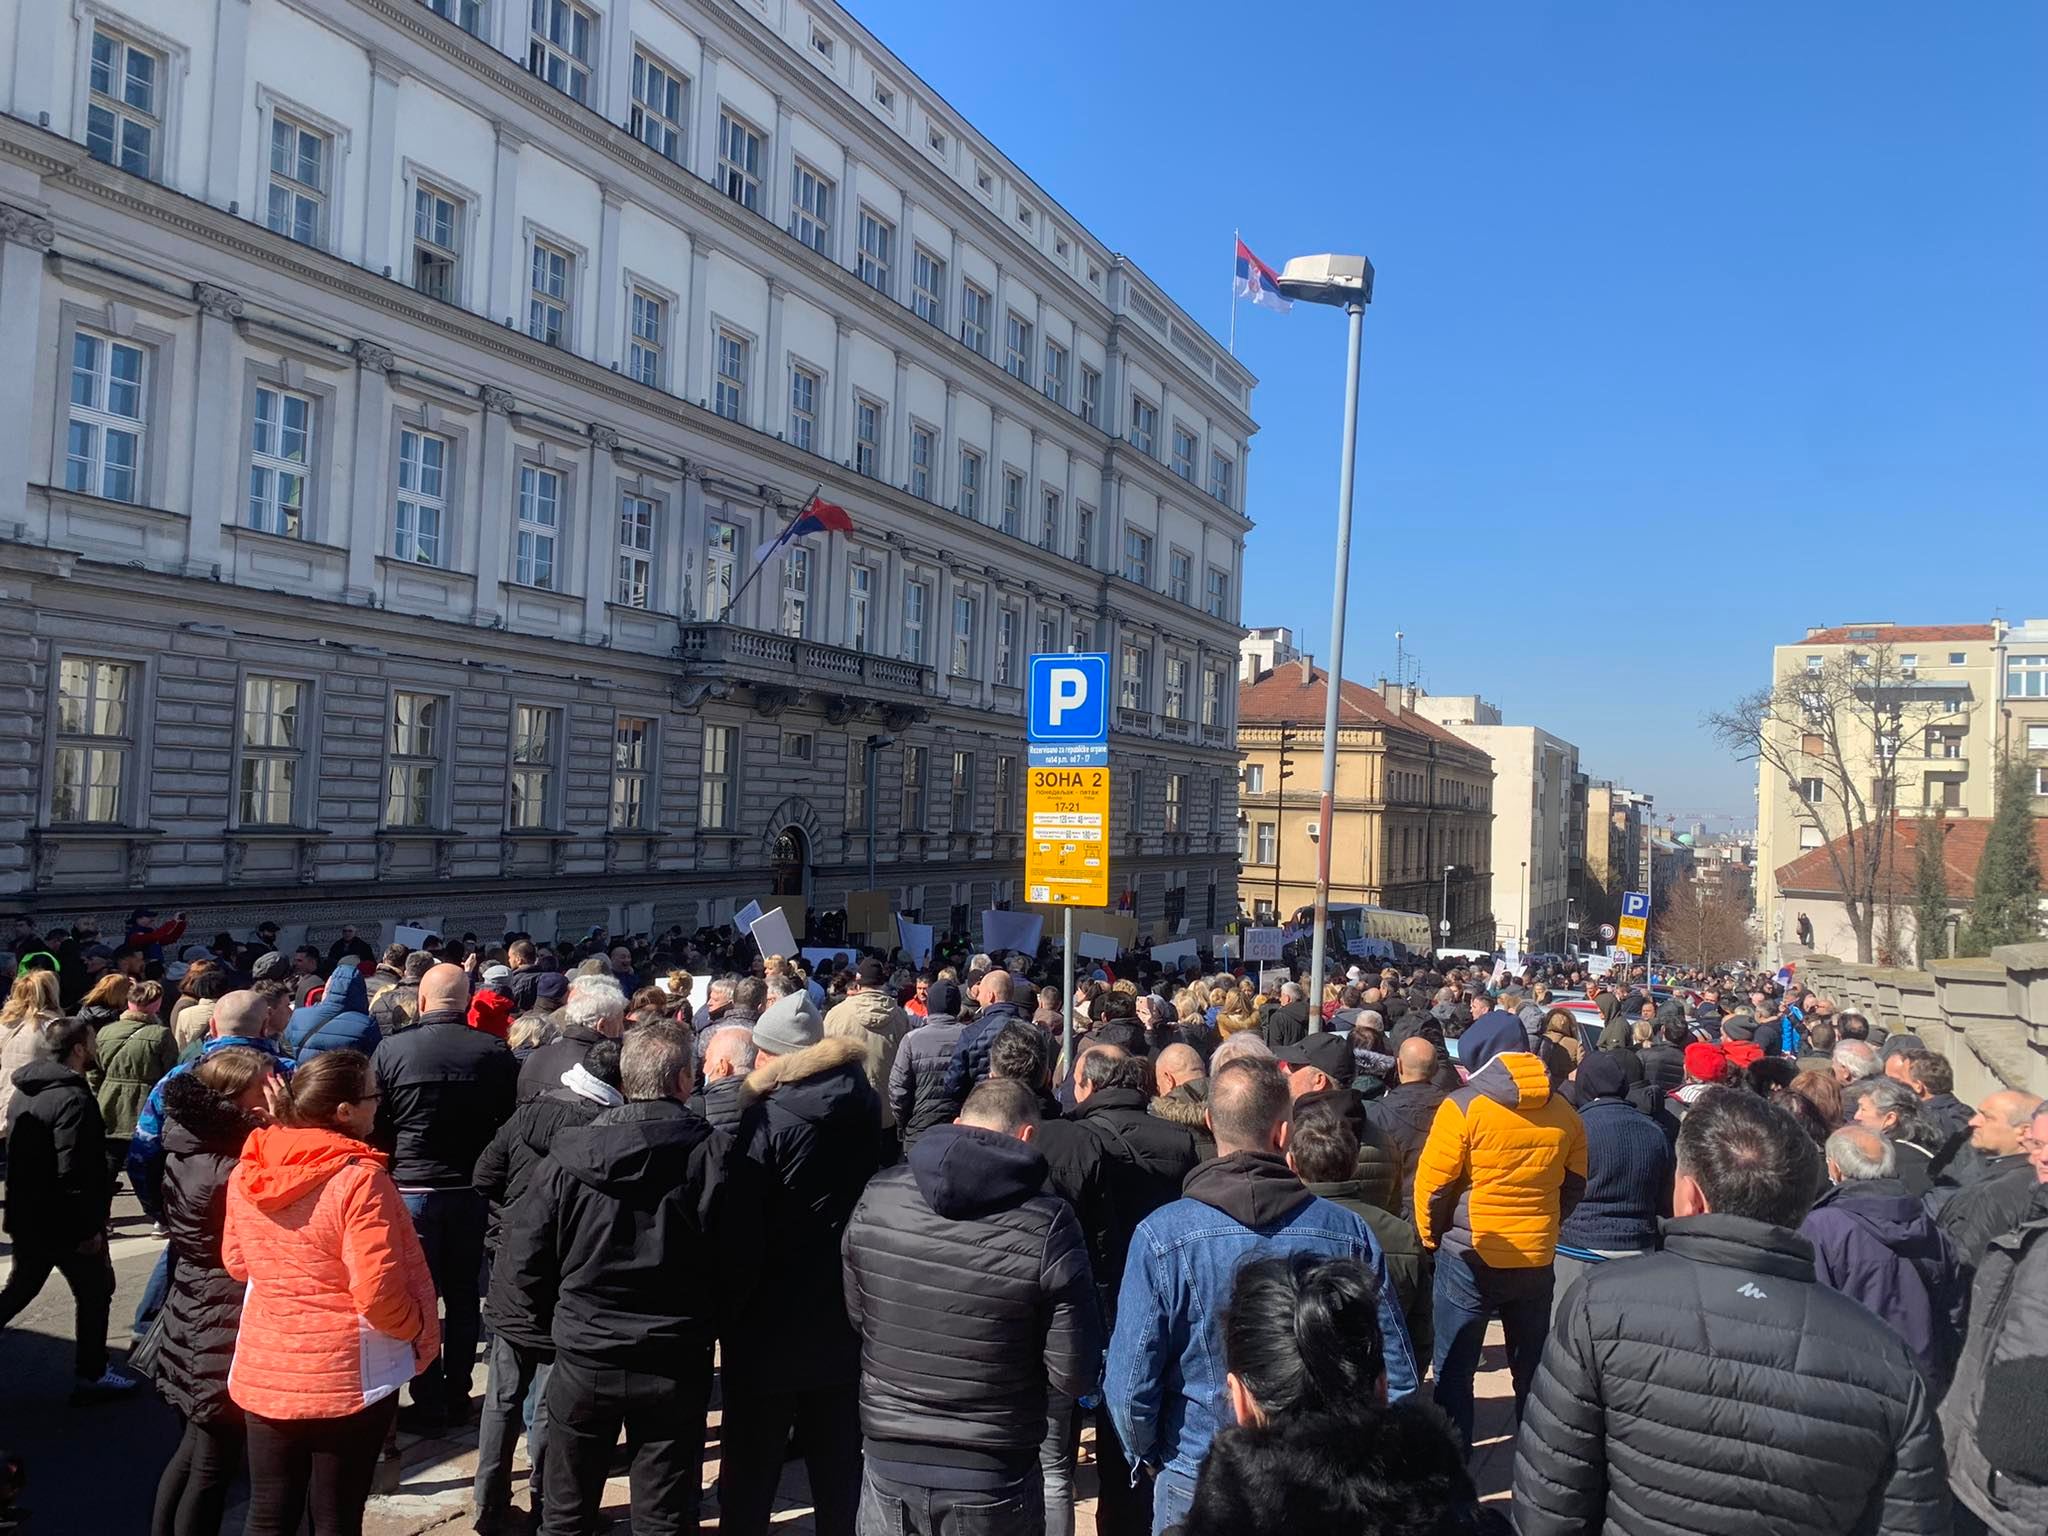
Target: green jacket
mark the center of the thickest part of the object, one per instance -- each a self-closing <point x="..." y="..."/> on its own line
<point x="135" y="1051"/>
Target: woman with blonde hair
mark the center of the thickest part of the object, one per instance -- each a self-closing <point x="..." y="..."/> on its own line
<point x="32" y="1003"/>
<point x="107" y="1000"/>
<point x="1237" y="1013"/>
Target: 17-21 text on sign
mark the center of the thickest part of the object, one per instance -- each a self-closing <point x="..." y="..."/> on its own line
<point x="1066" y="846"/>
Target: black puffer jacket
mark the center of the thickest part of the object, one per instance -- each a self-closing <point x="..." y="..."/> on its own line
<point x="970" y="1289"/>
<point x="58" y="1187"/>
<point x="635" y="1242"/>
<point x="1127" y="1162"/>
<point x="507" y="1165"/>
<point x="542" y="1071"/>
<point x="809" y="1120"/>
<point x="917" y="1077"/>
<point x="1402" y="1116"/>
<point x="446" y="1089"/>
<point x="1717" y="1386"/>
<point x="203" y="1136"/>
<point x="1993" y="1202"/>
<point x="1993" y="1416"/>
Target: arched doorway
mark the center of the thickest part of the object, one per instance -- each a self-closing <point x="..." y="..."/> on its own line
<point x="790" y="863"/>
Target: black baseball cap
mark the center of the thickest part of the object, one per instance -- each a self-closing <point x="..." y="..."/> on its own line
<point x="1330" y="1054"/>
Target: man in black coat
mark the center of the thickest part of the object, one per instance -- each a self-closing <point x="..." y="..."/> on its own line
<point x="59" y="1192"/>
<point x="637" y="1239"/>
<point x="1288" y="1022"/>
<point x="970" y="1056"/>
<point x="2000" y="1183"/>
<point x="970" y="1289"/>
<point x="1719" y="1385"/>
<point x="1403" y="1114"/>
<point x="1322" y="1067"/>
<point x="595" y="1011"/>
<point x="808" y="1117"/>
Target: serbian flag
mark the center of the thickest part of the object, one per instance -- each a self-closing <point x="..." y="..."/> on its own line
<point x="1258" y="282"/>
<point x="817" y="516"/>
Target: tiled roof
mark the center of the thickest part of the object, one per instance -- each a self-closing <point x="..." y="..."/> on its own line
<point x="1895" y="634"/>
<point x="1280" y="697"/>
<point x="1962" y="847"/>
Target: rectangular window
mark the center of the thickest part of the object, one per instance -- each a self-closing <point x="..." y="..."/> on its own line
<point x="810" y="209"/>
<point x="1048" y="634"/>
<point x="422" y="497"/>
<point x="1814" y="663"/>
<point x="714" y="784"/>
<point x="928" y="287"/>
<point x="547" y="298"/>
<point x="867" y="437"/>
<point x="1135" y="675"/>
<point x="1049" y="519"/>
<point x="103" y="438"/>
<point x="797" y="746"/>
<point x="965" y="622"/>
<point x="917" y="598"/>
<point x="1091" y="396"/>
<point x="1176" y="698"/>
<point x="296" y="196"/>
<point x="1944" y="792"/>
<point x="970" y="483"/>
<point x="1909" y="665"/>
<point x="466" y="14"/>
<point x="1006" y="794"/>
<point x="1180" y="576"/>
<point x="877" y="262"/>
<point x="539" y="524"/>
<point x="1176" y="796"/>
<point x="922" y="447"/>
<point x="729" y="388"/>
<point x="2037" y="738"/>
<point x="1212" y="697"/>
<point x="1017" y="347"/>
<point x="1134" y="809"/>
<point x="963" y="791"/>
<point x="721" y="559"/>
<point x="1942" y="741"/>
<point x="974" y="307"/>
<point x="1184" y="450"/>
<point x="630" y="736"/>
<point x="1255" y="778"/>
<point x="659" y="108"/>
<point x="1812" y="791"/>
<point x="803" y="409"/>
<point x="795" y="611"/>
<point x="95" y="740"/>
<point x="280" y="450"/>
<point x="124" y="114"/>
<point x="1269" y="844"/>
<point x="913" y="789"/>
<point x="559" y="47"/>
<point x="436" y="240"/>
<point x="1006" y="646"/>
<point x="635" y="576"/>
<point x="1084" y="533"/>
<point x="1216" y="597"/>
<point x="856" y="785"/>
<point x="1137" y="556"/>
<point x="739" y="162"/>
<point x="1222" y="478"/>
<point x="2026" y="677"/>
<point x="1013" y="502"/>
<point x="273" y="742"/>
<point x="412" y="799"/>
<point x="650" y="332"/>
<point x="1055" y="373"/>
<point x="860" y="596"/>
<point x="1144" y="424"/>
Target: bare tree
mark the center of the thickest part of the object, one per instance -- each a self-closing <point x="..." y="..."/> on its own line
<point x="1831" y="737"/>
<point x="1705" y="923"/>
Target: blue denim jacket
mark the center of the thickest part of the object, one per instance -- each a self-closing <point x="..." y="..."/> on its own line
<point x="1164" y="1377"/>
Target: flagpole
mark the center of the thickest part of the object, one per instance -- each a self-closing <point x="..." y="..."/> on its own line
<point x="740" y="590"/>
<point x="1237" y="237"/>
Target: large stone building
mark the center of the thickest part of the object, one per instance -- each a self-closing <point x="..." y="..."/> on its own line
<point x="1539" y="823"/>
<point x="1616" y="820"/>
<point x="395" y="395"/>
<point x="1411" y="822"/>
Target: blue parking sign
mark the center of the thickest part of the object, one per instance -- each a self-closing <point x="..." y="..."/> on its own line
<point x="1066" y="714"/>
<point x="1634" y="904"/>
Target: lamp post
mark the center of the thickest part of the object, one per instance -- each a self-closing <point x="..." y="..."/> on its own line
<point x="1346" y="283"/>
<point x="1443" y="920"/>
<point x="875" y="744"/>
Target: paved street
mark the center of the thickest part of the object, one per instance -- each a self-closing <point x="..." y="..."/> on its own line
<point x="95" y="1468"/>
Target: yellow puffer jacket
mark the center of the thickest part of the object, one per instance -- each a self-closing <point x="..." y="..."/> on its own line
<point x="1504" y="1164"/>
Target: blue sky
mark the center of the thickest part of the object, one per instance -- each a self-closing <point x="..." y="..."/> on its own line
<point x="1695" y="324"/>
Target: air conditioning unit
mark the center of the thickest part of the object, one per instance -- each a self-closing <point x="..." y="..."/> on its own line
<point x="1314" y="829"/>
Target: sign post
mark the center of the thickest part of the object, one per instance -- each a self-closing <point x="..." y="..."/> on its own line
<point x="1635" y="916"/>
<point x="1066" y="803"/>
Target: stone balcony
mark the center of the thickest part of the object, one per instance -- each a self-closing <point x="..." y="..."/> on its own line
<point x="780" y="670"/>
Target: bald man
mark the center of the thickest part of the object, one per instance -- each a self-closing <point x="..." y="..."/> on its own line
<point x="1403" y="1114"/>
<point x="1177" y="1064"/>
<point x="2001" y="1183"/>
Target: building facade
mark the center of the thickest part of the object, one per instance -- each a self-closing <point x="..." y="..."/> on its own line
<point x="1411" y="822"/>
<point x="396" y="396"/>
<point x="1537" y="816"/>
<point x="1615" y="822"/>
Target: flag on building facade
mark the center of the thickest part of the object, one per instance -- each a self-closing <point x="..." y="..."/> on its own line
<point x="1258" y="282"/>
<point x="817" y="516"/>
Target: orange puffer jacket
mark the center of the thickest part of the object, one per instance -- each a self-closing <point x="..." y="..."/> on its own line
<point x="340" y="1307"/>
<point x="1504" y="1164"/>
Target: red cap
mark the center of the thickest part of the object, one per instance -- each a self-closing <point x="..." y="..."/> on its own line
<point x="1741" y="1053"/>
<point x="1706" y="1063"/>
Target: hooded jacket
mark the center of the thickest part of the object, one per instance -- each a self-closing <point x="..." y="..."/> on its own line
<point x="1188" y="1107"/>
<point x="1164" y="1379"/>
<point x="1992" y="1418"/>
<point x="917" y="1081"/>
<point x="638" y="1238"/>
<point x="970" y="1290"/>
<point x="1718" y="1386"/>
<point x="1403" y="1115"/>
<point x="1628" y="1179"/>
<point x="877" y="1021"/>
<point x="446" y="1090"/>
<point x="203" y="1137"/>
<point x="1407" y="1264"/>
<point x="970" y="1056"/>
<point x="135" y="1051"/>
<point x="1379" y="1169"/>
<point x="809" y="1120"/>
<point x="1875" y="1243"/>
<point x="506" y="1166"/>
<point x="340" y="1308"/>
<point x="542" y="1071"/>
<point x="1504" y="1164"/>
<point x="340" y="1021"/>
<point x="58" y="1187"/>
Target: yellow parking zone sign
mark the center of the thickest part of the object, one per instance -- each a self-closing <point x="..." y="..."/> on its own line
<point x="1066" y="841"/>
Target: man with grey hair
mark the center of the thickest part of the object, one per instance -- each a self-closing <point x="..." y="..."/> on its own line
<point x="1876" y="1244"/>
<point x="1893" y="1111"/>
<point x="1286" y="1024"/>
<point x="631" y="1250"/>
<point x="2000" y="1186"/>
<point x="1855" y="1060"/>
<point x="728" y="1058"/>
<point x="596" y="1010"/>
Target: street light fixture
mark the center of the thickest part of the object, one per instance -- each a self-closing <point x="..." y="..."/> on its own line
<point x="1443" y="920"/>
<point x="875" y="745"/>
<point x="1344" y="282"/>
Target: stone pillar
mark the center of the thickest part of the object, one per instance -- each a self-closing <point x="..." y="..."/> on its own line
<point x="697" y="326"/>
<point x="897" y="471"/>
<point x="600" y="524"/>
<point x="508" y="257"/>
<point x="215" y="485"/>
<point x="230" y="97"/>
<point x="707" y="113"/>
<point x="849" y="213"/>
<point x="779" y="184"/>
<point x="774" y="367"/>
<point x="370" y="483"/>
<point x="946" y="476"/>
<point x="496" y="495"/>
<point x="24" y="237"/>
<point x="840" y="446"/>
<point x="992" y="472"/>
<point x="382" y="181"/>
<point x="607" y="346"/>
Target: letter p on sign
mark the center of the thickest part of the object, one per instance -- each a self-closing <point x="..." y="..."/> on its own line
<point x="1069" y="692"/>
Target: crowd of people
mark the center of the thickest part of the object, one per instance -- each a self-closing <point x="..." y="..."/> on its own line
<point x="1751" y="1257"/>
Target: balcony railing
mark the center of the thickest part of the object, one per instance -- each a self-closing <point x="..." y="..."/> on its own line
<point x="786" y="659"/>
